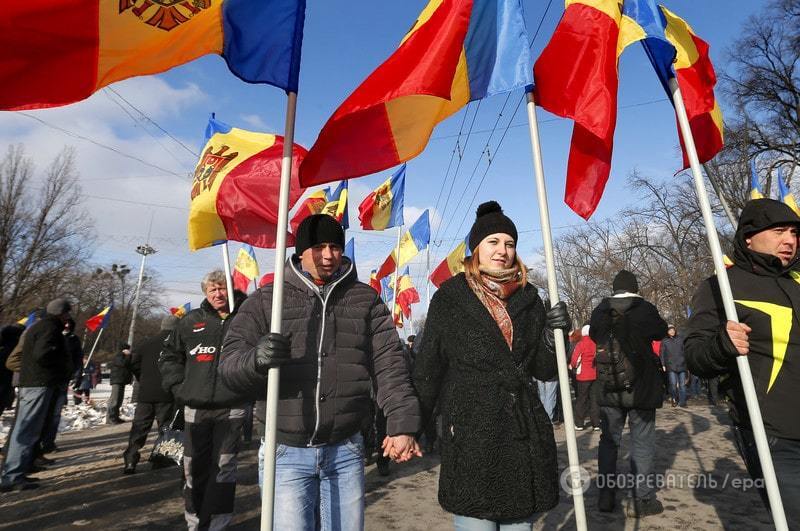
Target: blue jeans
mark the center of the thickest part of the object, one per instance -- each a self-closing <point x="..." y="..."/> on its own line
<point x="31" y="415"/>
<point x="465" y="523"/>
<point x="677" y="387"/>
<point x="548" y="394"/>
<point x="643" y="448"/>
<point x="318" y="488"/>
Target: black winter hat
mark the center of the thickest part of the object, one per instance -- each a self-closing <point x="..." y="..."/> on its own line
<point x="316" y="229"/>
<point x="489" y="219"/>
<point x="760" y="214"/>
<point x="625" y="281"/>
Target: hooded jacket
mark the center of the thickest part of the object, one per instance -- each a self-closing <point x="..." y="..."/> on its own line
<point x="189" y="359"/>
<point x="498" y="451"/>
<point x="767" y="296"/>
<point x="342" y="337"/>
<point x="639" y="326"/>
<point x="45" y="360"/>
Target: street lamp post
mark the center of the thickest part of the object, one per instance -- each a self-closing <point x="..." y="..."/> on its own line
<point x="143" y="250"/>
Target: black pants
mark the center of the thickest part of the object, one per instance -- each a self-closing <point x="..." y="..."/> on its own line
<point x="586" y="402"/>
<point x="786" y="462"/>
<point x="713" y="390"/>
<point x="209" y="462"/>
<point x="146" y="413"/>
<point x="115" y="401"/>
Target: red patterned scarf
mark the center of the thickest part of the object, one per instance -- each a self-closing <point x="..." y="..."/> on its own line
<point x="493" y="289"/>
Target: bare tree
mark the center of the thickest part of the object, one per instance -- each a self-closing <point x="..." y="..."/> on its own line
<point x="44" y="232"/>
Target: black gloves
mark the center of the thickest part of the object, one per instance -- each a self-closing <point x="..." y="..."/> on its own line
<point x="272" y="350"/>
<point x="558" y="317"/>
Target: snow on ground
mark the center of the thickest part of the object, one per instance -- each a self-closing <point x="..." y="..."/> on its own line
<point x="82" y="416"/>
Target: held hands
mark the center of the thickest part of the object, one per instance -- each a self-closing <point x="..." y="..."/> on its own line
<point x="401" y="448"/>
<point x="272" y="350"/>
<point x="558" y="317"/>
<point x="738" y="334"/>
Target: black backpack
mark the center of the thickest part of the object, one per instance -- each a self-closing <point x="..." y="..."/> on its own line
<point x="615" y="372"/>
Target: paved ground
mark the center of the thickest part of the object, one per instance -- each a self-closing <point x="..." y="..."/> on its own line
<point x="696" y="458"/>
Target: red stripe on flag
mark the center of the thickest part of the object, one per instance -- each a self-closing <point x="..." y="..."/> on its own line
<point x="240" y="282"/>
<point x="386" y="268"/>
<point x="50" y="52"/>
<point x="440" y="274"/>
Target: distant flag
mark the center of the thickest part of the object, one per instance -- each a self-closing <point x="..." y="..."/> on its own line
<point x="350" y="251"/>
<point x="576" y="77"/>
<point x="755" y="187"/>
<point x="28" y="321"/>
<point x="386" y="289"/>
<point x="235" y="189"/>
<point x="456" y="52"/>
<point x="100" y="320"/>
<point x="383" y="208"/>
<point x="266" y="280"/>
<point x="452" y="265"/>
<point x="337" y="205"/>
<point x="676" y="52"/>
<point x="313" y="204"/>
<point x="786" y="194"/>
<point x="61" y="51"/>
<point x="411" y="243"/>
<point x="180" y="311"/>
<point x="245" y="270"/>
<point x="374" y="283"/>
<point x="407" y="294"/>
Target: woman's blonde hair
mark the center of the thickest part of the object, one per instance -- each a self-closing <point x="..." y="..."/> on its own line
<point x="471" y="264"/>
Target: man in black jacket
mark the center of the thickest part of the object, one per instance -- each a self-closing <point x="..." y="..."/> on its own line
<point x="45" y="361"/>
<point x="213" y="414"/>
<point x="154" y="403"/>
<point x="120" y="377"/>
<point x="623" y="327"/>
<point x="674" y="362"/>
<point x="765" y="281"/>
<point x="336" y="337"/>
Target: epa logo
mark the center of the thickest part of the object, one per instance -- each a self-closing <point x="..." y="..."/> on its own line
<point x="200" y="349"/>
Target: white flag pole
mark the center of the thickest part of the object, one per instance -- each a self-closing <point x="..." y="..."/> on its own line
<point x="91" y="352"/>
<point x="273" y="378"/>
<point x="396" y="271"/>
<point x="226" y="262"/>
<point x="757" y="423"/>
<point x="552" y="288"/>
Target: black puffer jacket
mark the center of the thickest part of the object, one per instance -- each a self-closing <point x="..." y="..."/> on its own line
<point x="767" y="296"/>
<point x="639" y="326"/>
<point x="144" y="365"/>
<point x="343" y="333"/>
<point x="498" y="450"/>
<point x="45" y="360"/>
<point x="190" y="357"/>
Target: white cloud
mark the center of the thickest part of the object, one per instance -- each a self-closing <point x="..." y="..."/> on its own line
<point x="255" y="122"/>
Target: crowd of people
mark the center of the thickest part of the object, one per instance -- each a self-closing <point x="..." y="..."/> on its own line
<point x="478" y="384"/>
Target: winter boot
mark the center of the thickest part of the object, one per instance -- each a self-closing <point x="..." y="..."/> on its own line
<point x="130" y="463"/>
<point x="640" y="507"/>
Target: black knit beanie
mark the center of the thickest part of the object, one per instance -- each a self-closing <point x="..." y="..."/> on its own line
<point x="625" y="281"/>
<point x="316" y="229"/>
<point x="489" y="219"/>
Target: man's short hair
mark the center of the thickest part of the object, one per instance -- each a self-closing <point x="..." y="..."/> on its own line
<point x="214" y="277"/>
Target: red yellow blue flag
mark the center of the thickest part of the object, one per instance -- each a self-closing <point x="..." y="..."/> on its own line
<point x="383" y="208"/>
<point x="29" y="320"/>
<point x="452" y="264"/>
<point x="245" y="270"/>
<point x="61" y="51"/>
<point x="407" y="294"/>
<point x="313" y="204"/>
<point x="412" y="242"/>
<point x="786" y="195"/>
<point x="755" y="187"/>
<point x="180" y="311"/>
<point x="337" y="205"/>
<point x="100" y="320"/>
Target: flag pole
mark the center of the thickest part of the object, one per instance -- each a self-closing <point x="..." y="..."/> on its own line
<point x="91" y="352"/>
<point x="756" y="421"/>
<point x="722" y="201"/>
<point x="226" y="262"/>
<point x="396" y="272"/>
<point x="561" y="356"/>
<point x="273" y="378"/>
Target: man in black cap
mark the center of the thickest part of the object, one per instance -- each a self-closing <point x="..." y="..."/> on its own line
<point x="45" y="363"/>
<point x="630" y="385"/>
<point x="337" y="335"/>
<point x="155" y="402"/>
<point x="764" y="278"/>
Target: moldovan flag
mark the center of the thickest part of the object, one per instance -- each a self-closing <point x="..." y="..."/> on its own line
<point x="576" y="77"/>
<point x="313" y="204"/>
<point x="235" y="188"/>
<point x="180" y="311"/>
<point x="452" y="265"/>
<point x="245" y="270"/>
<point x="676" y="52"/>
<point x="457" y="51"/>
<point x="755" y="188"/>
<point x="337" y="205"/>
<point x="374" y="283"/>
<point x="28" y="321"/>
<point x="786" y="194"/>
<point x="411" y="243"/>
<point x="406" y="294"/>
<point x="350" y="250"/>
<point x="100" y="320"/>
<point x="383" y="208"/>
<point x="61" y="51"/>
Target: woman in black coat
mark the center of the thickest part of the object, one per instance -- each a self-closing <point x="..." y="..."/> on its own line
<point x="486" y="336"/>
